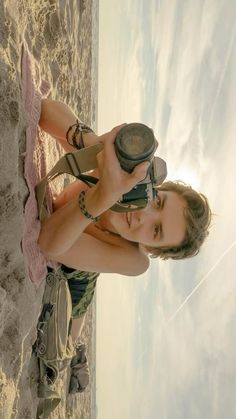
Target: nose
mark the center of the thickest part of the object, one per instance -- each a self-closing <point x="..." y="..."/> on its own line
<point x="149" y="213"/>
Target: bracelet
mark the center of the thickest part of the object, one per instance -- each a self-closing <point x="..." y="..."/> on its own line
<point x="80" y="128"/>
<point x="83" y="209"/>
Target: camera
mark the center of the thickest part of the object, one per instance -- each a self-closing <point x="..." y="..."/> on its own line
<point x="134" y="144"/>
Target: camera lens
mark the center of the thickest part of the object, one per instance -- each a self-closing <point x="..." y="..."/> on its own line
<point x="134" y="143"/>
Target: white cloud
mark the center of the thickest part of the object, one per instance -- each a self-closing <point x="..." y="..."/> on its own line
<point x="185" y="369"/>
<point x="190" y="369"/>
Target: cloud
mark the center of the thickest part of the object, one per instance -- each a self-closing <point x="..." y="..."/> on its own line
<point x="176" y="69"/>
<point x="190" y="369"/>
<point x="189" y="72"/>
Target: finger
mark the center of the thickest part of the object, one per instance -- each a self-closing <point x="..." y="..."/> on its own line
<point x="110" y="136"/>
<point x="116" y="129"/>
<point x="140" y="171"/>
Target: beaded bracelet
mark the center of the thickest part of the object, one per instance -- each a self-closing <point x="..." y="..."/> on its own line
<point x="83" y="209"/>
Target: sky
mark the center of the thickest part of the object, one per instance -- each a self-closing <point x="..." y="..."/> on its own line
<point x="166" y="340"/>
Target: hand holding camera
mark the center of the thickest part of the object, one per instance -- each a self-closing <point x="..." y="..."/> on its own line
<point x="131" y="147"/>
<point x="114" y="180"/>
<point x="126" y="181"/>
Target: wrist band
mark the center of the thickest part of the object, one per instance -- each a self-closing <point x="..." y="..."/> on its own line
<point x="80" y="127"/>
<point x="83" y="209"/>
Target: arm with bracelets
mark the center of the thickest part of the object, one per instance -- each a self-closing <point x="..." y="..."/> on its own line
<point x="61" y="229"/>
<point x="58" y="120"/>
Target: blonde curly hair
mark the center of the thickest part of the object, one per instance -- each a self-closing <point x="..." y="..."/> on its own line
<point x="198" y="218"/>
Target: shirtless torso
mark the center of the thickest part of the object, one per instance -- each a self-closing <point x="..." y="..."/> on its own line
<point x="97" y="248"/>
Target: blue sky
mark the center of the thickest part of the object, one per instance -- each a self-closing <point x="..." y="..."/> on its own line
<point x="172" y="65"/>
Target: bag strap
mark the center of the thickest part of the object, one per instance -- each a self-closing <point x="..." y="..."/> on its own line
<point x="71" y="163"/>
<point x="75" y="164"/>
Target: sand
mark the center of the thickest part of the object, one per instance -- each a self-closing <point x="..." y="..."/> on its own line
<point x="58" y="34"/>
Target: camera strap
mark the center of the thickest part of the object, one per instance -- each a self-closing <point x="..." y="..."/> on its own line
<point x="76" y="164"/>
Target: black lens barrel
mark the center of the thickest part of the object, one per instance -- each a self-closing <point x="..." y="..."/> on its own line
<point x="134" y="144"/>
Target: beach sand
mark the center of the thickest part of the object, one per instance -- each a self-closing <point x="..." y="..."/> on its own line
<point x="58" y="35"/>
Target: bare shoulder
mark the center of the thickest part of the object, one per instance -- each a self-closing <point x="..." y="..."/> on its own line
<point x="92" y="254"/>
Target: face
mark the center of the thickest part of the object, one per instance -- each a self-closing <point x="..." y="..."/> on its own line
<point x="160" y="224"/>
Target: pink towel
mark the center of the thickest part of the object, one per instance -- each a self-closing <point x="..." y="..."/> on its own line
<point x="34" y="168"/>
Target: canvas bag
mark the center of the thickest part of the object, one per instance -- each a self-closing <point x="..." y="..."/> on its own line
<point x="54" y="346"/>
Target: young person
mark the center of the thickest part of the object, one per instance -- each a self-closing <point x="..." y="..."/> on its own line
<point x="174" y="225"/>
<point x="84" y="234"/>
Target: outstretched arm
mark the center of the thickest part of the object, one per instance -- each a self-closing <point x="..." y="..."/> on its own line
<point x="55" y="119"/>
